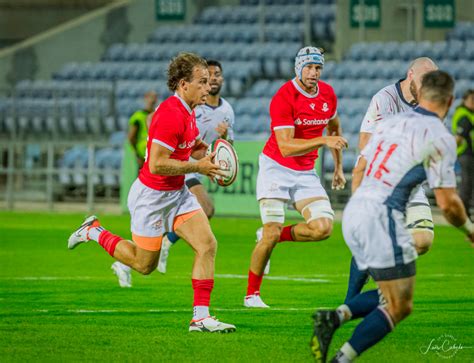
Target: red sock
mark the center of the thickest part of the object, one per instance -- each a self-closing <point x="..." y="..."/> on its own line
<point x="202" y="291"/>
<point x="109" y="241"/>
<point x="254" y="283"/>
<point x="286" y="235"/>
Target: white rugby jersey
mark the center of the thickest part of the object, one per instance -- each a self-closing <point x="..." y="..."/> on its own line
<point x="405" y="150"/>
<point x="388" y="101"/>
<point x="208" y="117"/>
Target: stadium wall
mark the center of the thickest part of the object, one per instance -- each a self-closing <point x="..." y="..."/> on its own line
<point x="17" y="25"/>
<point x="82" y="39"/>
<point x="394" y="18"/>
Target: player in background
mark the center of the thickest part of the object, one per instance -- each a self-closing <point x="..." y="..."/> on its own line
<point x="463" y="128"/>
<point x="300" y="111"/>
<point x="215" y="119"/>
<point x="404" y="151"/>
<point x="137" y="139"/>
<point x="395" y="98"/>
<point x="138" y="129"/>
<point x="159" y="201"/>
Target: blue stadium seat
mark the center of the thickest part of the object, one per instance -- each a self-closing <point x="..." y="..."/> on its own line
<point x="357" y="51"/>
<point x="407" y="49"/>
<point x="389" y="51"/>
<point x="114" y="53"/>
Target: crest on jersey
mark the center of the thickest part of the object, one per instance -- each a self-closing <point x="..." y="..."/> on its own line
<point x="158" y="225"/>
<point x="312" y="105"/>
<point x="325" y="107"/>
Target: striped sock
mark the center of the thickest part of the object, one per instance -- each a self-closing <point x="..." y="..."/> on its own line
<point x="94" y="233"/>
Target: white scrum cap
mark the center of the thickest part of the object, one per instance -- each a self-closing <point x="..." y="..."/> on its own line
<point x="305" y="56"/>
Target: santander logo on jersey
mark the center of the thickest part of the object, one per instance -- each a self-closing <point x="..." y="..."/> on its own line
<point x="306" y="122"/>
<point x="187" y="145"/>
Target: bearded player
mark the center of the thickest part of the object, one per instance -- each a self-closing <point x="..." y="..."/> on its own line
<point x="300" y="111"/>
<point x="399" y="97"/>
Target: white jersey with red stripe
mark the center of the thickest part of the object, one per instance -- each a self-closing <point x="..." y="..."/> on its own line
<point x="386" y="102"/>
<point x="405" y="150"/>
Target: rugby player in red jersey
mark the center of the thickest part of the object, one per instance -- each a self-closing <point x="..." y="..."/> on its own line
<point x="159" y="201"/>
<point x="300" y="111"/>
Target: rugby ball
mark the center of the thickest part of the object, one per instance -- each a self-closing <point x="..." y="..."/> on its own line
<point x="226" y="158"/>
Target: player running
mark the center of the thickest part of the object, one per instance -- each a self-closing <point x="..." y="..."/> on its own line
<point x="159" y="202"/>
<point x="395" y="98"/>
<point x="300" y="111"/>
<point x="405" y="150"/>
<point x="215" y="119"/>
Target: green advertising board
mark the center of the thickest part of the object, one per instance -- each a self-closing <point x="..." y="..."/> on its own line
<point x="366" y="11"/>
<point x="238" y="199"/>
<point x="439" y="13"/>
<point x="170" y="9"/>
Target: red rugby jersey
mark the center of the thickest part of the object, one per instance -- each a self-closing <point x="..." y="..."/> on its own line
<point x="174" y="127"/>
<point x="292" y="107"/>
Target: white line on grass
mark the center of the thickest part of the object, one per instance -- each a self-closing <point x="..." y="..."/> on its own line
<point x="115" y="311"/>
<point x="301" y="278"/>
<point x="49" y="278"/>
<point x="276" y="278"/>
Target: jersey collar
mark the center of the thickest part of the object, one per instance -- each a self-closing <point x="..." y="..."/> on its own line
<point x="184" y="103"/>
<point x="424" y="111"/>
<point x="215" y="107"/>
<point x="302" y="91"/>
<point x="400" y="93"/>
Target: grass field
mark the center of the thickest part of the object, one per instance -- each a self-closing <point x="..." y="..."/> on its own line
<point x="61" y="305"/>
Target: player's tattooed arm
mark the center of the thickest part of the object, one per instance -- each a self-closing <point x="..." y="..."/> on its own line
<point x="162" y="164"/>
<point x="290" y="146"/>
<point x="358" y="173"/>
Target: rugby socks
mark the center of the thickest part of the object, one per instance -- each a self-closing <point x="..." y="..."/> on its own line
<point x="357" y="280"/>
<point x="103" y="237"/>
<point x="108" y="241"/>
<point x="343" y="313"/>
<point x="346" y="354"/>
<point x="254" y="283"/>
<point x="286" y="235"/>
<point x="172" y="237"/>
<point x="359" y="306"/>
<point x="94" y="232"/>
<point x="124" y="267"/>
<point x="371" y="330"/>
<point x="363" y="304"/>
<point x="202" y="296"/>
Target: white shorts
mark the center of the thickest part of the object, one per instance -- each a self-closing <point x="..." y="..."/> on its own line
<point x="378" y="239"/>
<point x="275" y="181"/>
<point x="193" y="176"/>
<point x="153" y="211"/>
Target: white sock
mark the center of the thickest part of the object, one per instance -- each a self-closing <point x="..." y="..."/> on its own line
<point x="95" y="232"/>
<point x="200" y="312"/>
<point x="349" y="353"/>
<point x="344" y="313"/>
<point x="124" y="267"/>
